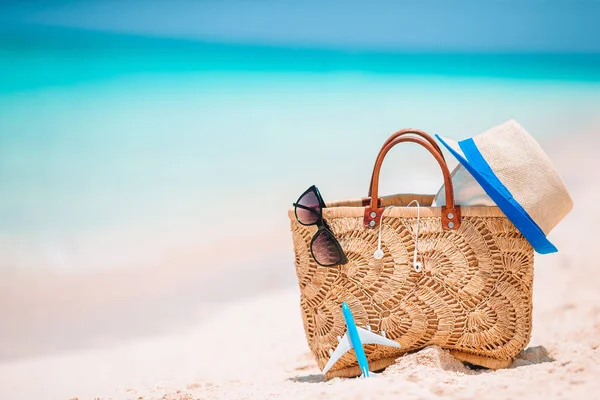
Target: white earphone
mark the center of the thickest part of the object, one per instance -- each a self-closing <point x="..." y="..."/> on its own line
<point x="378" y="254"/>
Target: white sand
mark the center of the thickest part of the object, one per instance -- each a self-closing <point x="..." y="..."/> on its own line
<point x="255" y="348"/>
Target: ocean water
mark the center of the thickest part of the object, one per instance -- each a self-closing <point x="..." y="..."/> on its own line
<point x="119" y="151"/>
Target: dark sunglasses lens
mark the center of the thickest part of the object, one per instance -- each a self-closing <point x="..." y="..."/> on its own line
<point x="312" y="215"/>
<point x="325" y="249"/>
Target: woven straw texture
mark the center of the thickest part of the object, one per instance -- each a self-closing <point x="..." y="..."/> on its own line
<point x="473" y="295"/>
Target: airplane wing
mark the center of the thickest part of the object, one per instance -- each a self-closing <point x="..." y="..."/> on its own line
<point x="339" y="351"/>
<point x="368" y="337"/>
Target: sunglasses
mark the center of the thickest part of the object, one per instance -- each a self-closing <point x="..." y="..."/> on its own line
<point x="324" y="247"/>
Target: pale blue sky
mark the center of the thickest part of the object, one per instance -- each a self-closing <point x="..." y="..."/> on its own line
<point x="421" y="25"/>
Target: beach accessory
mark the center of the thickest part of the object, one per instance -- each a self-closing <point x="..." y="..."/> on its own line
<point x="472" y="295"/>
<point x="467" y="191"/>
<point x="378" y="255"/>
<point x="519" y="177"/>
<point x="324" y="247"/>
<point x="354" y="339"/>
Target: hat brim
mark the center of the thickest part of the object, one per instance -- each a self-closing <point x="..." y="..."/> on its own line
<point x="499" y="194"/>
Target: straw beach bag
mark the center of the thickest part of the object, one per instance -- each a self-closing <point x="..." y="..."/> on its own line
<point x="470" y="291"/>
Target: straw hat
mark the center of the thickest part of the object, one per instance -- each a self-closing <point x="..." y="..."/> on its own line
<point x="515" y="172"/>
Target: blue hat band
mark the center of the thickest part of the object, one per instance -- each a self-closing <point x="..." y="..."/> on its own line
<point x="483" y="173"/>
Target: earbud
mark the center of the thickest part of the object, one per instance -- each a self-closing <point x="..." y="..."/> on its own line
<point x="378" y="255"/>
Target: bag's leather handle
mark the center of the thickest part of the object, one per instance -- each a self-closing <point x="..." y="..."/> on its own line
<point x="407" y="131"/>
<point x="450" y="212"/>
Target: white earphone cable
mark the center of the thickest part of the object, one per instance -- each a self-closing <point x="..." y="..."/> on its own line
<point x="417" y="266"/>
<point x="378" y="255"/>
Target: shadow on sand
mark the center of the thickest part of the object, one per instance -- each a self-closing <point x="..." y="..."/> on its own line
<point x="313" y="378"/>
<point x="531" y="356"/>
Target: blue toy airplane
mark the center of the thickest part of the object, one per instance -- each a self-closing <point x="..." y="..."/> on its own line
<point x="353" y="339"/>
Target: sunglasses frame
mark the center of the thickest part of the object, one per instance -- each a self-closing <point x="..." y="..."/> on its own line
<point x="321" y="225"/>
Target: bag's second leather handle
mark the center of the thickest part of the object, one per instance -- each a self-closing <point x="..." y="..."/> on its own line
<point x="450" y="212"/>
<point x="408" y="131"/>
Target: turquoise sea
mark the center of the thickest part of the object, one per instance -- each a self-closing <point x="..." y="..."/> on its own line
<point x="120" y="150"/>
